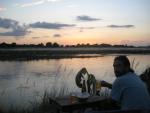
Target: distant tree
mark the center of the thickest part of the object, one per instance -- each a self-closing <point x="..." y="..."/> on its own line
<point x="88" y="45"/>
<point x="67" y="46"/>
<point x="61" y="45"/>
<point x="118" y="45"/>
<point x="105" y="45"/>
<point x="72" y="46"/>
<point x="55" y="44"/>
<point x="78" y="45"/>
<point x="13" y="44"/>
<point x="49" y="44"/>
<point x="40" y="45"/>
<point x="82" y="45"/>
<point x="31" y="45"/>
<point x="3" y="44"/>
<point x="95" y="45"/>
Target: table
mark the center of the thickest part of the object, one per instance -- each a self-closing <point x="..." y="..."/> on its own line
<point x="64" y="105"/>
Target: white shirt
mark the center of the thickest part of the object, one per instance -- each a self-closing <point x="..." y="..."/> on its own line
<point x="131" y="92"/>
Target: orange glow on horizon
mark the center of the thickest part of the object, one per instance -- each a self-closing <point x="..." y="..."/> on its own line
<point x="74" y="36"/>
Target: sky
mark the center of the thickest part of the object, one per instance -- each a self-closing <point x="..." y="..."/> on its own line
<point x="75" y="21"/>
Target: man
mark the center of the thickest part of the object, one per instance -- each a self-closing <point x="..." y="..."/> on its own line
<point x="127" y="89"/>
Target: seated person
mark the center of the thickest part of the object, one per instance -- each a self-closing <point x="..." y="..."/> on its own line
<point x="128" y="89"/>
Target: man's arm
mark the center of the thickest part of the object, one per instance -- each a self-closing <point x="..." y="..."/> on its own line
<point x="111" y="103"/>
<point x="106" y="84"/>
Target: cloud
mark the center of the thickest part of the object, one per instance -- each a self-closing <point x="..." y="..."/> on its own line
<point x="56" y="35"/>
<point x="16" y="32"/>
<point x="46" y="36"/>
<point x="32" y="3"/>
<point x="120" y="26"/>
<point x="86" y="18"/>
<point x="46" y="25"/>
<point x="73" y="6"/>
<point x="2" y="9"/>
<point x="16" y="29"/>
<point x="86" y="28"/>
<point x="22" y="30"/>
<point x="8" y="23"/>
<point x="37" y="2"/>
<point x="54" y="0"/>
<point x="35" y="37"/>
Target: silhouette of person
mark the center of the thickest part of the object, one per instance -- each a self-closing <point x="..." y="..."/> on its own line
<point x="145" y="77"/>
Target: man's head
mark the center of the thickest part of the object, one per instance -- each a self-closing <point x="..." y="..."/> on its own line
<point x="121" y="65"/>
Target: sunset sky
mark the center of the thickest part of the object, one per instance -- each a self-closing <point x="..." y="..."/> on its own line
<point x="75" y="21"/>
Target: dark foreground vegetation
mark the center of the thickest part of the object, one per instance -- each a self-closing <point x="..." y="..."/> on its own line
<point x="47" y="105"/>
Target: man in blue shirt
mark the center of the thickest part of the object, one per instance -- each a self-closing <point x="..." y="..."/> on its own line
<point x="128" y="89"/>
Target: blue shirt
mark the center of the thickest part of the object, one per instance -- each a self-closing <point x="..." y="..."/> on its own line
<point x="131" y="92"/>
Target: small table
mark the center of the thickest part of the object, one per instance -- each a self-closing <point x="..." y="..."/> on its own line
<point x="65" y="105"/>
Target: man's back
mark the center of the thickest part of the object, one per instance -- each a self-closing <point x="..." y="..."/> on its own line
<point x="131" y="92"/>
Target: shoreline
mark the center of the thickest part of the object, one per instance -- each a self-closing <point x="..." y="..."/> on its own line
<point x="61" y="53"/>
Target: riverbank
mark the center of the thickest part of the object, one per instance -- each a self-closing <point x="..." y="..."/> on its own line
<point x="67" y="52"/>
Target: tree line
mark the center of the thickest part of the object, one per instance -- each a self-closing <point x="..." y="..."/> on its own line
<point x="55" y="45"/>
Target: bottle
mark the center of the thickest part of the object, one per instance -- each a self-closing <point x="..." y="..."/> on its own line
<point x="83" y="87"/>
<point x="98" y="87"/>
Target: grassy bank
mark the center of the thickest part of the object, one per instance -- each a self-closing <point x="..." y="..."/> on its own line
<point x="47" y="104"/>
<point x="58" y="53"/>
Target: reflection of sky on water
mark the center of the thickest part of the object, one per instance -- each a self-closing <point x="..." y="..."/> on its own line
<point x="24" y="82"/>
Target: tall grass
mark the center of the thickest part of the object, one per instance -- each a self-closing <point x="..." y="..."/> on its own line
<point x="134" y="64"/>
<point x="43" y="103"/>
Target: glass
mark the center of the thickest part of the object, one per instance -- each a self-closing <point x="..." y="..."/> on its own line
<point x="98" y="85"/>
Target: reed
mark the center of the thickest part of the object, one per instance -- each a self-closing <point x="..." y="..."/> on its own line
<point x="134" y="64"/>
